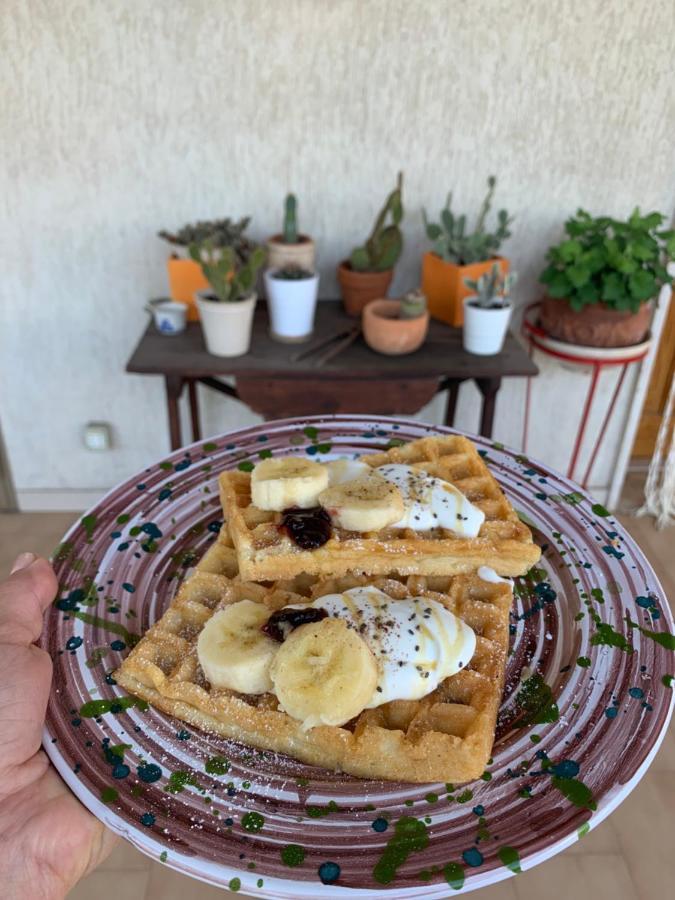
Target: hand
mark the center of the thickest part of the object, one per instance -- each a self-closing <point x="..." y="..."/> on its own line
<point x="48" y="840"/>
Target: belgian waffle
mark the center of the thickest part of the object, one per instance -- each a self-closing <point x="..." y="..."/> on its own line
<point x="445" y="736"/>
<point x="504" y="543"/>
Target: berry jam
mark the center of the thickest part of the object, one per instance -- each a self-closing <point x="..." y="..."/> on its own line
<point x="281" y="623"/>
<point x="308" y="528"/>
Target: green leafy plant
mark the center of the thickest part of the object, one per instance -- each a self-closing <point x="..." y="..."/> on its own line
<point x="604" y="260"/>
<point x="492" y="289"/>
<point x="220" y="232"/>
<point x="231" y="280"/>
<point x="383" y="248"/>
<point x="453" y="243"/>
<point x="413" y="305"/>
<point x="290" y="230"/>
<point x="292" y="273"/>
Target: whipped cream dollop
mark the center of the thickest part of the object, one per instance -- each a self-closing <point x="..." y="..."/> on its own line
<point x="431" y="502"/>
<point x="485" y="573"/>
<point x="417" y="642"/>
<point x="342" y="470"/>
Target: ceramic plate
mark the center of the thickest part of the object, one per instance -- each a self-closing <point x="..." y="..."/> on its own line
<point x="588" y="696"/>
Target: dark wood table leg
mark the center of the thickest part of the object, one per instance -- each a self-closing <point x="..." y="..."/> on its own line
<point x="488" y="388"/>
<point x="174" y="388"/>
<point x="194" y="410"/>
<point x="451" y="406"/>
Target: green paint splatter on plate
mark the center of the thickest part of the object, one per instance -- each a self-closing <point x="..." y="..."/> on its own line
<point x="129" y="638"/>
<point x="510" y="858"/>
<point x="246" y="466"/>
<point x="668" y="680"/>
<point x="410" y="836"/>
<point x="216" y="765"/>
<point x="178" y="782"/>
<point x="599" y="510"/>
<point x="252" y="822"/>
<point x="575" y="791"/>
<point x="583" y="829"/>
<point x="234" y="885"/>
<point x="317" y="812"/>
<point x="292" y="855"/>
<point x="454" y="875"/>
<point x="535" y="700"/>
<point x="92" y="709"/>
<point x="89" y="525"/>
<point x="108" y="794"/>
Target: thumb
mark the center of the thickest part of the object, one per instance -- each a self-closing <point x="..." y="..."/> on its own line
<point x="24" y="597"/>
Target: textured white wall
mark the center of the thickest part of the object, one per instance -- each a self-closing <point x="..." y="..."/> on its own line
<point x="119" y="118"/>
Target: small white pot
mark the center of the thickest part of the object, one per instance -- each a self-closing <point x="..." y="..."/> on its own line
<point x="484" y="329"/>
<point x="169" y="316"/>
<point x="291" y="305"/>
<point x="226" y="326"/>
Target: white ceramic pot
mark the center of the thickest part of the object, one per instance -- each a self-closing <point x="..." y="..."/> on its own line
<point x="169" y="316"/>
<point x="291" y="305"/>
<point x="226" y="326"/>
<point x="484" y="329"/>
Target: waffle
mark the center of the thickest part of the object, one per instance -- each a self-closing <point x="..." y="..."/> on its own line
<point x="504" y="543"/>
<point x="445" y="736"/>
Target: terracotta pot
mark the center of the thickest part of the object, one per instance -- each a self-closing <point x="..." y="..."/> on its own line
<point x="359" y="288"/>
<point x="280" y="254"/>
<point x="594" y="326"/>
<point x="386" y="333"/>
<point x="185" y="279"/>
<point x="443" y="285"/>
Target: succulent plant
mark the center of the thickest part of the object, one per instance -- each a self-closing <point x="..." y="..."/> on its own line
<point x="454" y="244"/>
<point x="492" y="289"/>
<point x="230" y="278"/>
<point x="220" y="232"/>
<point x="413" y="305"/>
<point x="290" y="231"/>
<point x="383" y="248"/>
<point x="292" y="273"/>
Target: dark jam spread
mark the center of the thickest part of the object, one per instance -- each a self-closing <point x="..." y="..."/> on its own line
<point x="281" y="623"/>
<point x="308" y="528"/>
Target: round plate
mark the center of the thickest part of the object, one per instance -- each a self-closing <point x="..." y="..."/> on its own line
<point x="587" y="701"/>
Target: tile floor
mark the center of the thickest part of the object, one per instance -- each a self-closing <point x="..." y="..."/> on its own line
<point x="630" y="856"/>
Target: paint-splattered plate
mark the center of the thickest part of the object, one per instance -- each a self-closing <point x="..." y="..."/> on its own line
<point x="588" y="696"/>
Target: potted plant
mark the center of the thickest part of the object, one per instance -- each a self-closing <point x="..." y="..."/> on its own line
<point x="602" y="277"/>
<point x="396" y="327"/>
<point x="487" y="311"/>
<point x="459" y="254"/>
<point x="291" y="299"/>
<point x="367" y="274"/>
<point x="290" y="248"/>
<point x="185" y="275"/>
<point x="226" y="307"/>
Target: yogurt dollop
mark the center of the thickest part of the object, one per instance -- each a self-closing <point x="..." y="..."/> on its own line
<point x="431" y="502"/>
<point x="417" y="642"/>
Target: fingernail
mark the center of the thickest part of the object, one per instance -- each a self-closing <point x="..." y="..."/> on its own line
<point x="22" y="561"/>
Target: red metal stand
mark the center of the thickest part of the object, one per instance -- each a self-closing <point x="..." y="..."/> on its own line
<point x="595" y="358"/>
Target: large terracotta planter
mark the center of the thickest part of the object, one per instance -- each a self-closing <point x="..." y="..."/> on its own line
<point x="185" y="279"/>
<point x="594" y="326"/>
<point x="384" y="332"/>
<point x="443" y="285"/>
<point x="280" y="254"/>
<point x="359" y="288"/>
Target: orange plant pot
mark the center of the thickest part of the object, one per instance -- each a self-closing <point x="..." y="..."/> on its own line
<point x="185" y="279"/>
<point x="443" y="285"/>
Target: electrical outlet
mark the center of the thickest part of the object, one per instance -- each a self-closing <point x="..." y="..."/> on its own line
<point x="97" y="436"/>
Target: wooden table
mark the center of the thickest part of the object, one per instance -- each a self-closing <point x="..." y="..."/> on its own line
<point x="357" y="380"/>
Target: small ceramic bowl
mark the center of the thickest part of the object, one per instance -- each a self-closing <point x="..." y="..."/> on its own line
<point x="386" y="333"/>
<point x="169" y="315"/>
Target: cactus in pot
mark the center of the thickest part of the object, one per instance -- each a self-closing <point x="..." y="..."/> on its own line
<point x="289" y="247"/>
<point x="413" y="305"/>
<point x="367" y="274"/>
<point x="226" y="309"/>
<point x="491" y="290"/>
<point x="383" y="248"/>
<point x="487" y="311"/>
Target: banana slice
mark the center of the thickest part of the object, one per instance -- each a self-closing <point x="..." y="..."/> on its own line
<point x="277" y="484"/>
<point x="234" y="653"/>
<point x="324" y="673"/>
<point x="341" y="470"/>
<point x="367" y="503"/>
